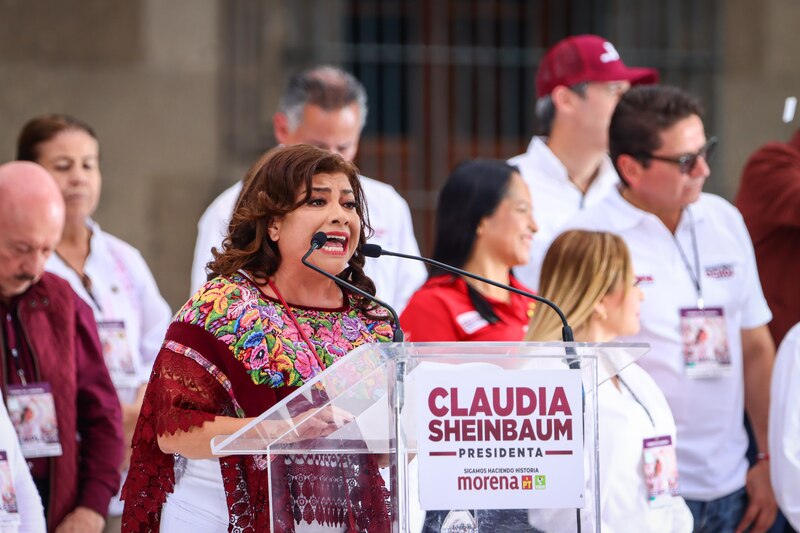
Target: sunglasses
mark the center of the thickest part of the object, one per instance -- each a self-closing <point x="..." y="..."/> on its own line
<point x="687" y="162"/>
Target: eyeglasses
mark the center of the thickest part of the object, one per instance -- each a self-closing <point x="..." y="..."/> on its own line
<point x="687" y="162"/>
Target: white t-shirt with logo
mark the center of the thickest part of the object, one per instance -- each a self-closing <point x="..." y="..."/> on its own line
<point x="708" y="412"/>
<point x="556" y="200"/>
<point x="395" y="279"/>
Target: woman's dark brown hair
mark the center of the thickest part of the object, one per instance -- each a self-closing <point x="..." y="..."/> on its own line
<point x="41" y="129"/>
<point x="271" y="189"/>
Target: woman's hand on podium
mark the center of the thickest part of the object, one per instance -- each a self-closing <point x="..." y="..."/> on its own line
<point x="314" y="423"/>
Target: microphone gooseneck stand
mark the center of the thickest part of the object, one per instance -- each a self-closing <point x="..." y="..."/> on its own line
<point x="373" y="250"/>
<point x="318" y="241"/>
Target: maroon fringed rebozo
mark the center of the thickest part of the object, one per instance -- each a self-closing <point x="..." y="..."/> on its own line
<point x="187" y="389"/>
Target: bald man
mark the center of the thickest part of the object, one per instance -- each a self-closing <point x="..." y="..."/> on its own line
<point x="55" y="383"/>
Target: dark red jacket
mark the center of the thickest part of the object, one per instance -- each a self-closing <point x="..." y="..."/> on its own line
<point x="67" y="354"/>
<point x="769" y="199"/>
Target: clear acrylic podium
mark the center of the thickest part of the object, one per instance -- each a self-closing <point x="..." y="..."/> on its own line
<point x="372" y="401"/>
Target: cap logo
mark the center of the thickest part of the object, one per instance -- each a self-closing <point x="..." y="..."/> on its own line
<point x="610" y="54"/>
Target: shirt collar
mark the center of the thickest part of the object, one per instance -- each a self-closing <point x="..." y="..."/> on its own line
<point x="624" y="215"/>
<point x="551" y="166"/>
<point x="93" y="226"/>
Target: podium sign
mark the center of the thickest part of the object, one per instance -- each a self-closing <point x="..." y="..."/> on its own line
<point x="499" y="439"/>
<point x="496" y="431"/>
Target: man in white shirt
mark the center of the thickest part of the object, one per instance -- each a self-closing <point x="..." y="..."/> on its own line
<point x="784" y="427"/>
<point x="578" y="84"/>
<point x="327" y="107"/>
<point x="704" y="312"/>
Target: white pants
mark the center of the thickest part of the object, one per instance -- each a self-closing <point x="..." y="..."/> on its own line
<point x="198" y="502"/>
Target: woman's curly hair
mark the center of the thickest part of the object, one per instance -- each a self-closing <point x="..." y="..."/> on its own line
<point x="271" y="189"/>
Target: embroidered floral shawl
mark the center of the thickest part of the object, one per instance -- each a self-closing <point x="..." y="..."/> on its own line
<point x="231" y="351"/>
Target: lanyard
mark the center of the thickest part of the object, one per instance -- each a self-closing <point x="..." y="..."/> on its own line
<point x="296" y="323"/>
<point x="694" y="274"/>
<point x="13" y="350"/>
<point x="637" y="400"/>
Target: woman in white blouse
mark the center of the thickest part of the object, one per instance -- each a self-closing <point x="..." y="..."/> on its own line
<point x="107" y="273"/>
<point x="589" y="274"/>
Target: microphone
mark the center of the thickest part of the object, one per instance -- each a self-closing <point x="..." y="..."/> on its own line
<point x="374" y="250"/>
<point x="318" y="241"/>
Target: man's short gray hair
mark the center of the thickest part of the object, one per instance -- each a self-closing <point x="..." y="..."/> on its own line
<point x="546" y="110"/>
<point x="545" y="113"/>
<point x="328" y="87"/>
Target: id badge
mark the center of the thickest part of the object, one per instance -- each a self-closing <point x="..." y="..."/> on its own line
<point x="117" y="353"/>
<point x="9" y="512"/>
<point x="704" y="336"/>
<point x="33" y="413"/>
<point x="660" y="470"/>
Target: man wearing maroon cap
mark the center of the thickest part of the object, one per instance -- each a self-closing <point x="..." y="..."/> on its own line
<point x="578" y="84"/>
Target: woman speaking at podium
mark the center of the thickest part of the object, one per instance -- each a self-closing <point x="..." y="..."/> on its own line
<point x="590" y="276"/>
<point x="263" y="325"/>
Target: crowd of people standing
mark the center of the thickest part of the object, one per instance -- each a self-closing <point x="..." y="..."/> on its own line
<point x="604" y="214"/>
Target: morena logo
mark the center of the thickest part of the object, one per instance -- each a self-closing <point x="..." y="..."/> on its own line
<point x="500" y="482"/>
<point x="720" y="271"/>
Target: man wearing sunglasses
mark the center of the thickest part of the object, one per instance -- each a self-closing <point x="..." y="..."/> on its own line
<point x="704" y="313"/>
<point x="578" y="84"/>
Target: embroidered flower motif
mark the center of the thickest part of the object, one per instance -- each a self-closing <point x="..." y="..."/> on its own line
<point x="274" y="317"/>
<point x="219" y="297"/>
<point x="335" y="351"/>
<point x="281" y="363"/>
<point x="275" y="380"/>
<point x="304" y="363"/>
<point x="247" y="320"/>
<point x="228" y="339"/>
<point x="256" y="357"/>
<point x="351" y="328"/>
<point x="293" y="334"/>
<point x="191" y="314"/>
<point x="331" y="333"/>
<point x="239" y="307"/>
<point x="265" y="340"/>
<point x="383" y="330"/>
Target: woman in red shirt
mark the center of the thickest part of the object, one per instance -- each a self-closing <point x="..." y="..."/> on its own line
<point x="484" y="225"/>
